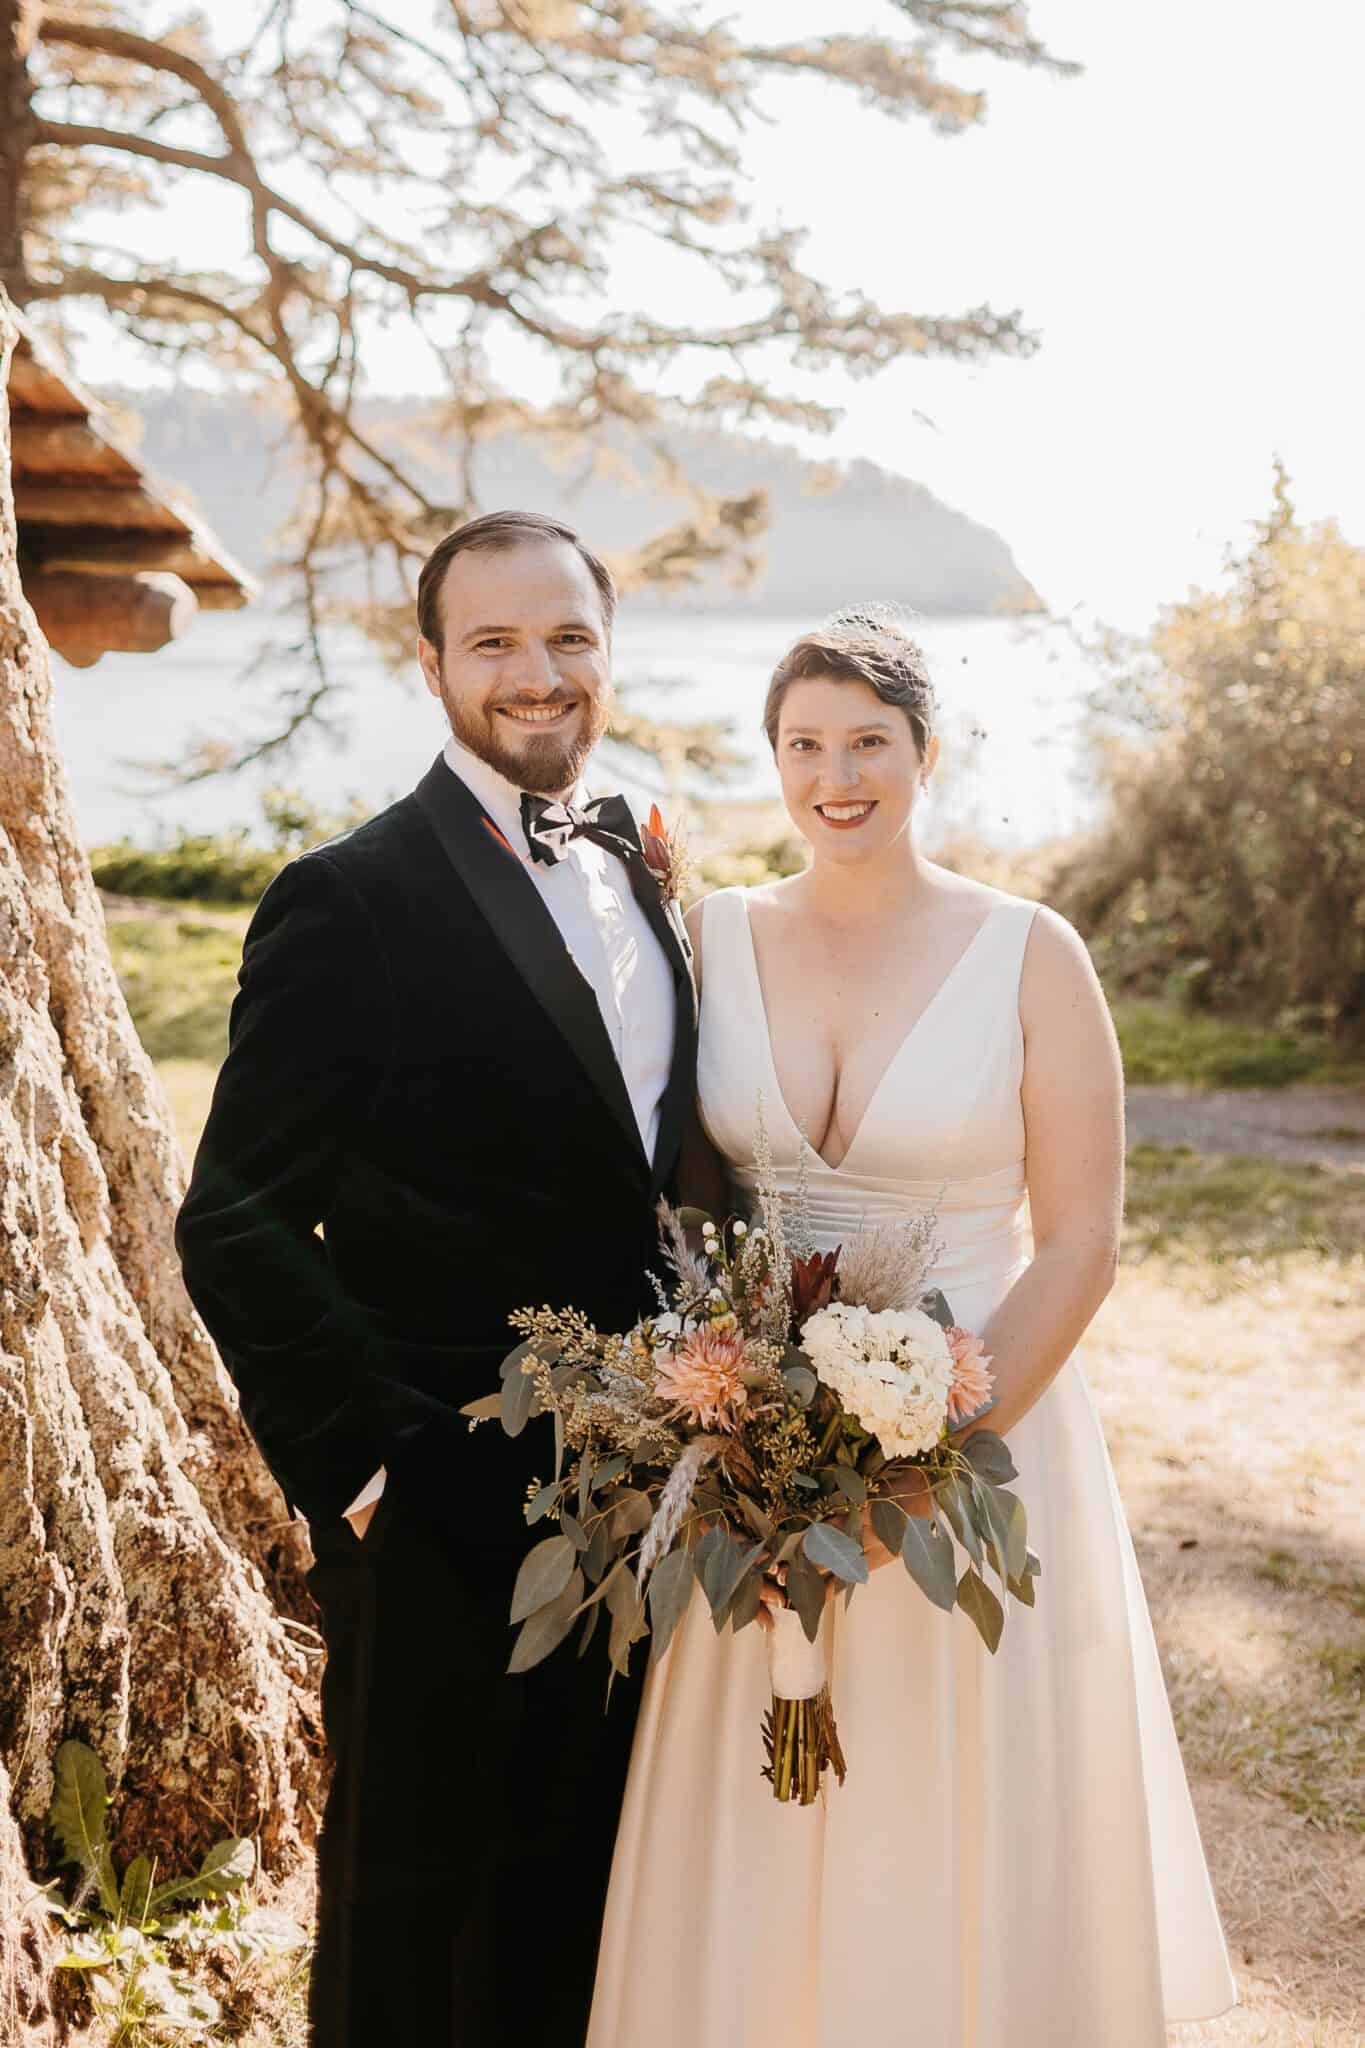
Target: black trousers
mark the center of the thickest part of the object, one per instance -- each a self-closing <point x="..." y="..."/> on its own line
<point x="468" y="1833"/>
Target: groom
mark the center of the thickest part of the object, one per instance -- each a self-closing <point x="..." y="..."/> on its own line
<point x="461" y="1059"/>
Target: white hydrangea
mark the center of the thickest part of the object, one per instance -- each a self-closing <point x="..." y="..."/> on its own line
<point x="891" y="1369"/>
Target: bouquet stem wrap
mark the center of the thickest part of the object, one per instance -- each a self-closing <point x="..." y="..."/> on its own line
<point x="799" y="1734"/>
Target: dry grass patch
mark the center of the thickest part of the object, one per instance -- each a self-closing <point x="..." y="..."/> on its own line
<point x="1233" y="1399"/>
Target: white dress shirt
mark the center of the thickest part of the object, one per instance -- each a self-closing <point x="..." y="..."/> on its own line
<point x="588" y="894"/>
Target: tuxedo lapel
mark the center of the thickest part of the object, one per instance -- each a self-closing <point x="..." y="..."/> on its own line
<point x="665" y="921"/>
<point x="499" y="884"/>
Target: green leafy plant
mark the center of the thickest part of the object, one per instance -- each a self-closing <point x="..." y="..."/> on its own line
<point x="143" y="1946"/>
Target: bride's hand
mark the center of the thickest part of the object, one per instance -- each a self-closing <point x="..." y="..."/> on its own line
<point x="772" y="1597"/>
<point x="771" y="1600"/>
<point x="911" y="1492"/>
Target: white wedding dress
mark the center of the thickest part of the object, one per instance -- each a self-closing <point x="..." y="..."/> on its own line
<point x="1013" y="1861"/>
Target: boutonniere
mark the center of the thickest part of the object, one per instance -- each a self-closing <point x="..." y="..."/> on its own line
<point x="665" y="856"/>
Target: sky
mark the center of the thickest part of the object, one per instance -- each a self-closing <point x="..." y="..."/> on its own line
<point x="1180" y="226"/>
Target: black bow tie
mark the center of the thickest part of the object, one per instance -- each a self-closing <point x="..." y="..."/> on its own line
<point x="550" y="826"/>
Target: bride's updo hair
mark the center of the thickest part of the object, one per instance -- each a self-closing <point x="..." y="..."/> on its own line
<point x="867" y="644"/>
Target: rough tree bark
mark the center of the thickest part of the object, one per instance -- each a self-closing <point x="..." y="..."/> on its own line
<point x="146" y="1566"/>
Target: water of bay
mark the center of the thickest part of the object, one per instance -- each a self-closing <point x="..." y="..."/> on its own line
<point x="1012" y="698"/>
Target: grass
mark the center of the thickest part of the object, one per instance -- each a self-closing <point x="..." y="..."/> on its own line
<point x="1208" y="1206"/>
<point x="179" y="974"/>
<point x="1164" y="1043"/>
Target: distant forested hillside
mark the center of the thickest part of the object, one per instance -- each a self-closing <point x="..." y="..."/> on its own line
<point x="838" y="534"/>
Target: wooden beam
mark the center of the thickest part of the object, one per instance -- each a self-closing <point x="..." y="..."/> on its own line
<point x="47" y="448"/>
<point x="33" y="385"/>
<point x="84" y="617"/>
<point x="92" y="505"/>
<point x="92" y="551"/>
<point x="87" y="551"/>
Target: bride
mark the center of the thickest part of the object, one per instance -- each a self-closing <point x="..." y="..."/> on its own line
<point x="1014" y="1858"/>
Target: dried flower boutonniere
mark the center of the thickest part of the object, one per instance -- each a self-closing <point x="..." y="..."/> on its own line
<point x="665" y="856"/>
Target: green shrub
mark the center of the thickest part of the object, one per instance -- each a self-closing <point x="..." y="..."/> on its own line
<point x="1231" y="869"/>
<point x="194" y="867"/>
<point x="1165" y="1042"/>
<point x="225" y="867"/>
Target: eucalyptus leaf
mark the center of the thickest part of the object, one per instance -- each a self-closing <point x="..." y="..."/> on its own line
<point x="546" y="1629"/>
<point x="513" y="1361"/>
<point x="608" y="1582"/>
<point x="956" y="1503"/>
<point x="713" y="1539"/>
<point x="518" y="1400"/>
<point x="670" y="1589"/>
<point x="541" y="1503"/>
<point x="692" y="1218"/>
<point x="747" y="1559"/>
<point x="927" y="1555"/>
<point x="627" y="1622"/>
<point x="989" y="1457"/>
<point x="601" y="1549"/>
<point x="584" y="1481"/>
<point x="806" y="1592"/>
<point x="589" y="1627"/>
<point x="1008" y="1525"/>
<point x="574" y="1530"/>
<point x="976" y="1600"/>
<point x="1033" y="1565"/>
<point x="621" y="1593"/>
<point x="1022" y="1589"/>
<point x="834" y="1550"/>
<point x="849" y="1483"/>
<point x="888" y="1520"/>
<point x="604" y="1474"/>
<point x="1016" y="1546"/>
<point x="632" y="1512"/>
<point x="747" y="1601"/>
<point x="721" y="1573"/>
<point x="80" y="1801"/>
<point x="995" y="1517"/>
<point x="801" y="1383"/>
<point x="755" y="1517"/>
<point x="485" y="1409"/>
<point x="543" y="1576"/>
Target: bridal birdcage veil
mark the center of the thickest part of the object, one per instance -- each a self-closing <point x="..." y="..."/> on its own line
<point x="957" y="803"/>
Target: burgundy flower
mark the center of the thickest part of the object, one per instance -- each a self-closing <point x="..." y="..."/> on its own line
<point x="813" y="1283"/>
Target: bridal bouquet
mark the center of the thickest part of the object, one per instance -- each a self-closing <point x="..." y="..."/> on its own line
<point x="752" y="1430"/>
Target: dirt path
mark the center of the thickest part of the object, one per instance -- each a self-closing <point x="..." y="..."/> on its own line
<point x="1312" y="1125"/>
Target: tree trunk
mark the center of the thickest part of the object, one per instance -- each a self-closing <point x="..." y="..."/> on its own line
<point x="147" y="1567"/>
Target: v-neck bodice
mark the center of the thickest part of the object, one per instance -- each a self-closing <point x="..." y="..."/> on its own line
<point x="944" y="1126"/>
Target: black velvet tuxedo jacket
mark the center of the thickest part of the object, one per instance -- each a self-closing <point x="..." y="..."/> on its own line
<point x="420" y="1127"/>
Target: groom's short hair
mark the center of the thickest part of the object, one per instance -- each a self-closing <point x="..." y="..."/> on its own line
<point x="490" y="534"/>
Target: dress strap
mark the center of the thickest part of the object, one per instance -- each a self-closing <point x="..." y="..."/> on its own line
<point x="1013" y="923"/>
<point x="724" y="940"/>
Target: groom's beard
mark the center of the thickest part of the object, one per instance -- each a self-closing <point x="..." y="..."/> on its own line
<point x="546" y="764"/>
